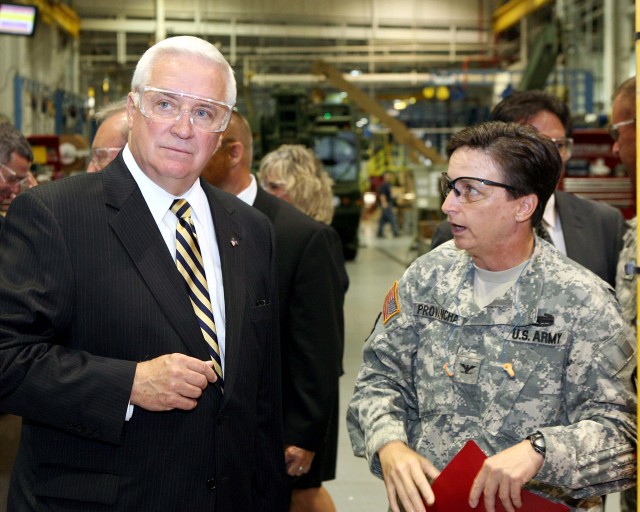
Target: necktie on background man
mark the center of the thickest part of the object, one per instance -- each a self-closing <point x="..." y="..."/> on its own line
<point x="190" y="265"/>
<point x="542" y="232"/>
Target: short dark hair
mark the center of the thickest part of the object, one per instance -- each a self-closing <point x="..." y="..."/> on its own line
<point x="12" y="140"/>
<point x="528" y="161"/>
<point x="521" y="105"/>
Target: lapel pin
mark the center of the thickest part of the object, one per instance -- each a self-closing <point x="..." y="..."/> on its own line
<point x="234" y="241"/>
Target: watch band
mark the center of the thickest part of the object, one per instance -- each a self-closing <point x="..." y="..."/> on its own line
<point x="537" y="442"/>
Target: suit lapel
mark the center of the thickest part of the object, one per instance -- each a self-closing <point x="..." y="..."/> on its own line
<point x="263" y="204"/>
<point x="136" y="229"/>
<point x="232" y="257"/>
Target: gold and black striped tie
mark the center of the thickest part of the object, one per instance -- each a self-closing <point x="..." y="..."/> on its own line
<point x="190" y="265"/>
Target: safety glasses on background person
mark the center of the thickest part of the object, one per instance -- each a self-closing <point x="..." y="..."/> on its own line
<point x="12" y="182"/>
<point x="468" y="189"/>
<point x="614" y="129"/>
<point x="101" y="157"/>
<point x="163" y="105"/>
<point x="8" y="176"/>
<point x="564" y="147"/>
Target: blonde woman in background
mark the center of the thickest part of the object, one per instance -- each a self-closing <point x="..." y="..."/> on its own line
<point x="295" y="174"/>
<point x="312" y="322"/>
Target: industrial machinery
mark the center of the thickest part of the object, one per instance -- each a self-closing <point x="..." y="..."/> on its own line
<point x="336" y="143"/>
<point x="329" y="129"/>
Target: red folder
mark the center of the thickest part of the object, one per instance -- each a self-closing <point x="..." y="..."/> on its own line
<point x="453" y="485"/>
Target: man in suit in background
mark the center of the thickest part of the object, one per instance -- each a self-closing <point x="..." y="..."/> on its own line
<point x="312" y="283"/>
<point x="132" y="401"/>
<point x="16" y="157"/>
<point x="586" y="231"/>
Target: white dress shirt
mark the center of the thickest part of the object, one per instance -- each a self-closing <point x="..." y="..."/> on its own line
<point x="248" y="195"/>
<point x="551" y="221"/>
<point x="159" y="202"/>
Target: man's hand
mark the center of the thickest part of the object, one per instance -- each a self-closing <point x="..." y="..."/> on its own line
<point x="296" y="458"/>
<point x="405" y="475"/>
<point x="172" y="381"/>
<point x="504" y="474"/>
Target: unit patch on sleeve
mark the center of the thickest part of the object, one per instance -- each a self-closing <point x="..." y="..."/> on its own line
<point x="391" y="305"/>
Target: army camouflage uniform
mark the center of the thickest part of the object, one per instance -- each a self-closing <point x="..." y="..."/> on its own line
<point x="627" y="295"/>
<point x="626" y="283"/>
<point x="560" y="327"/>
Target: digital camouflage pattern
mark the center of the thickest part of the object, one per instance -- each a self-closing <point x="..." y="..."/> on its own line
<point x="626" y="283"/>
<point x="559" y="327"/>
<point x="627" y="295"/>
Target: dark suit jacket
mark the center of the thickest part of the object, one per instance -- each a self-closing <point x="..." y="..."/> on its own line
<point x="592" y="233"/>
<point x="312" y="282"/>
<point x="87" y="288"/>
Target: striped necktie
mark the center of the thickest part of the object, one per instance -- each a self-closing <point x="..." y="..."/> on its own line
<point x="190" y="265"/>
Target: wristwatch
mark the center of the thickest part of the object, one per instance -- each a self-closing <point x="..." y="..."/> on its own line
<point x="537" y="442"/>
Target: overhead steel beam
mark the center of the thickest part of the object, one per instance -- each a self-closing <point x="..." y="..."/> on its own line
<point x="281" y="31"/>
<point x="513" y="11"/>
<point x="57" y="13"/>
<point x="400" y="131"/>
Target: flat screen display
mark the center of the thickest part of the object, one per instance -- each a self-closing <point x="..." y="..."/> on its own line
<point x="19" y="20"/>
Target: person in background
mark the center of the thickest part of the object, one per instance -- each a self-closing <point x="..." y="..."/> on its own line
<point x="16" y="157"/>
<point x="294" y="173"/>
<point x="496" y="337"/>
<point x="313" y="283"/>
<point x="589" y="232"/>
<point x="385" y="200"/>
<point x="143" y="354"/>
<point x="111" y="135"/>
<point x="623" y="133"/>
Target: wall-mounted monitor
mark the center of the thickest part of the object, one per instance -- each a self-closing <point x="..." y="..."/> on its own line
<point x="19" y="20"/>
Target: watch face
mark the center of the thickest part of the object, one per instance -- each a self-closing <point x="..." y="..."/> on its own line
<point x="538" y="443"/>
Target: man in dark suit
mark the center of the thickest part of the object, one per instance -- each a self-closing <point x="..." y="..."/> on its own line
<point x="588" y="232"/>
<point x="16" y="156"/>
<point x="101" y="351"/>
<point x="312" y="283"/>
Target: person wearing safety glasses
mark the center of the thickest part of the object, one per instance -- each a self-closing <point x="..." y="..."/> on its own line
<point x="498" y="338"/>
<point x="16" y="157"/>
<point x="589" y="232"/>
<point x="139" y="317"/>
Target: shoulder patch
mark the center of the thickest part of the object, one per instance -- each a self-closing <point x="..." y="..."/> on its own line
<point x="391" y="305"/>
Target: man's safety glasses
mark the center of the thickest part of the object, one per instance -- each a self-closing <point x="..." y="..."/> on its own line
<point x="168" y="106"/>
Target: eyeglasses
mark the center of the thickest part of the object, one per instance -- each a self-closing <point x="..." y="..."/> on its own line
<point x="167" y="106"/>
<point x="564" y="146"/>
<point x="10" y="177"/>
<point x="614" y="129"/>
<point x="101" y="157"/>
<point x="470" y="190"/>
<point x="12" y="183"/>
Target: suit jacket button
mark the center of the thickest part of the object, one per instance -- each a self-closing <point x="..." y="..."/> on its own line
<point x="211" y="484"/>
